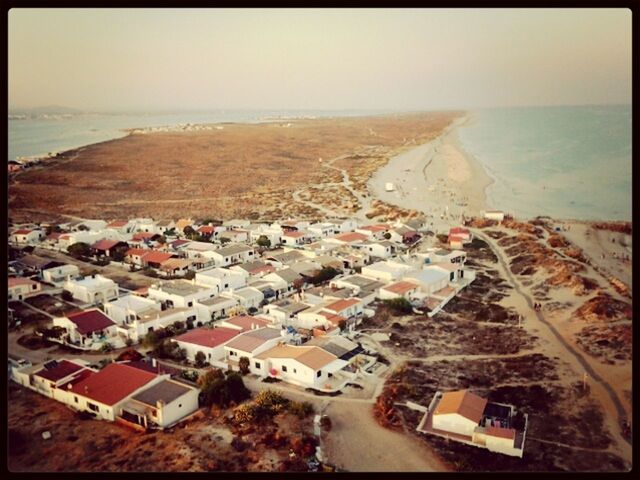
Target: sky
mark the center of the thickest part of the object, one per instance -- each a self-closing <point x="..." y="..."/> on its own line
<point x="418" y="59"/>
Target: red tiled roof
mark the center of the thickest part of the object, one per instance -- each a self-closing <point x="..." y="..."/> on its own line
<point x="14" y="282"/>
<point x="332" y="317"/>
<point x="136" y="251"/>
<point x="207" y="229"/>
<point x="54" y="235"/>
<point x="117" y="224"/>
<point x="375" y="228"/>
<point x="90" y="321"/>
<point x="208" y="337"/>
<point x="509" y="433"/>
<point x="105" y="244"/>
<point x="400" y="287"/>
<point x="22" y="232"/>
<point x="143" y="235"/>
<point x="341" y="305"/>
<point x="351" y="237"/>
<point x="458" y="230"/>
<point x="157" y="257"/>
<point x="293" y="234"/>
<point x="462" y="402"/>
<point x="61" y="370"/>
<point x="245" y="322"/>
<point x="113" y="383"/>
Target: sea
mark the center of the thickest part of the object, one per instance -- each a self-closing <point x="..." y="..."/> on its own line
<point x="562" y="162"/>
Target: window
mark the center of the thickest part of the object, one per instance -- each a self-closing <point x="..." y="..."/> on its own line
<point x="190" y="304"/>
<point x="93" y="407"/>
<point x="257" y="364"/>
<point x="232" y="354"/>
<point x="75" y="399"/>
<point x="319" y="373"/>
<point x="284" y="368"/>
<point x="295" y="371"/>
<point x="179" y="405"/>
<point x="451" y="276"/>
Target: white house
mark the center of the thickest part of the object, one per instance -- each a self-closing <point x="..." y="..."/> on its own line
<point x="27" y="236"/>
<point x="210" y="341"/>
<point x="247" y="297"/>
<point x="465" y="417"/>
<point x="163" y="405"/>
<point x="58" y="275"/>
<point x="88" y="329"/>
<point x="386" y="271"/>
<point x="222" y="279"/>
<point x="402" y="289"/>
<point x="306" y="366"/>
<point x="381" y="249"/>
<point x="127" y="308"/>
<point x="180" y="293"/>
<point x="323" y="229"/>
<point x="285" y="311"/>
<point x="497" y="215"/>
<point x="231" y="255"/>
<point x="293" y="238"/>
<point x="21" y="288"/>
<point x="376" y="232"/>
<point x="251" y="343"/>
<point x="430" y="280"/>
<point x="104" y="393"/>
<point x="217" y="307"/>
<point x="92" y="289"/>
<point x="152" y="320"/>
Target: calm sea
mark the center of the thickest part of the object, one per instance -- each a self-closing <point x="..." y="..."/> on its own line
<point x="39" y="137"/>
<point x="565" y="162"/>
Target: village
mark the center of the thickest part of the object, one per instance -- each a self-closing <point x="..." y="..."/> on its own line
<point x="279" y="302"/>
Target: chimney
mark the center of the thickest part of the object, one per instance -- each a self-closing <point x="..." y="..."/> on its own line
<point x="86" y="389"/>
<point x="160" y="404"/>
<point x="253" y="326"/>
<point x="154" y="362"/>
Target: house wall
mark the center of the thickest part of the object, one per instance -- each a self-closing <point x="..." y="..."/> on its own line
<point x="387" y="295"/>
<point x="179" y="408"/>
<point x="24" y="291"/>
<point x="501" y="445"/>
<point x="212" y="353"/>
<point x="455" y="423"/>
<point x="59" y="275"/>
<point x="233" y="355"/>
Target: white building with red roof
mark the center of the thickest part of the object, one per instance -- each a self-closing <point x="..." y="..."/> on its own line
<point x="27" y="236"/>
<point x="401" y="289"/>
<point x="88" y="329"/>
<point x="105" y="392"/>
<point x="210" y="341"/>
<point x="21" y="288"/>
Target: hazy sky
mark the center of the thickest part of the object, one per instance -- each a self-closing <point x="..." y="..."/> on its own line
<point x="318" y="59"/>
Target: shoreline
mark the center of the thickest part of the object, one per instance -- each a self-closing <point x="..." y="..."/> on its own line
<point x="438" y="178"/>
<point x="429" y="177"/>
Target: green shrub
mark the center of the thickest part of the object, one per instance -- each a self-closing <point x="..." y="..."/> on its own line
<point x="301" y="409"/>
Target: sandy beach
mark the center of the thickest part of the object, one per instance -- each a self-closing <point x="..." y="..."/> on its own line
<point x="437" y="178"/>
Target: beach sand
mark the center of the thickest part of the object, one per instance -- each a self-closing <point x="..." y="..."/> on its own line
<point x="437" y="178"/>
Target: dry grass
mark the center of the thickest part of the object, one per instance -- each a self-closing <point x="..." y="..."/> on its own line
<point x="244" y="170"/>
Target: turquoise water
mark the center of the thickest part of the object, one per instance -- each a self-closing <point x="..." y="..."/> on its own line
<point x="564" y="162"/>
<point x="39" y="137"/>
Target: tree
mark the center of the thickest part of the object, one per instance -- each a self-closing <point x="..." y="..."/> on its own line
<point x="130" y="355"/>
<point x="106" y="347"/>
<point x="151" y="340"/>
<point x="218" y="390"/>
<point x="162" y="240"/>
<point x="79" y="249"/>
<point x="324" y="275"/>
<point x="224" y="240"/>
<point x="243" y="365"/>
<point x="188" y="231"/>
<point x="67" y="295"/>
<point x="201" y="359"/>
<point x="263" y="241"/>
<point x="399" y="306"/>
<point x="301" y="409"/>
<point x="118" y="254"/>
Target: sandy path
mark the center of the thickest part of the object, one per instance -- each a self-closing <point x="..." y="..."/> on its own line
<point x="357" y="443"/>
<point x="614" y="411"/>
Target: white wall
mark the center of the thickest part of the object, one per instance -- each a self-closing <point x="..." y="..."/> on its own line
<point x="454" y="422"/>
